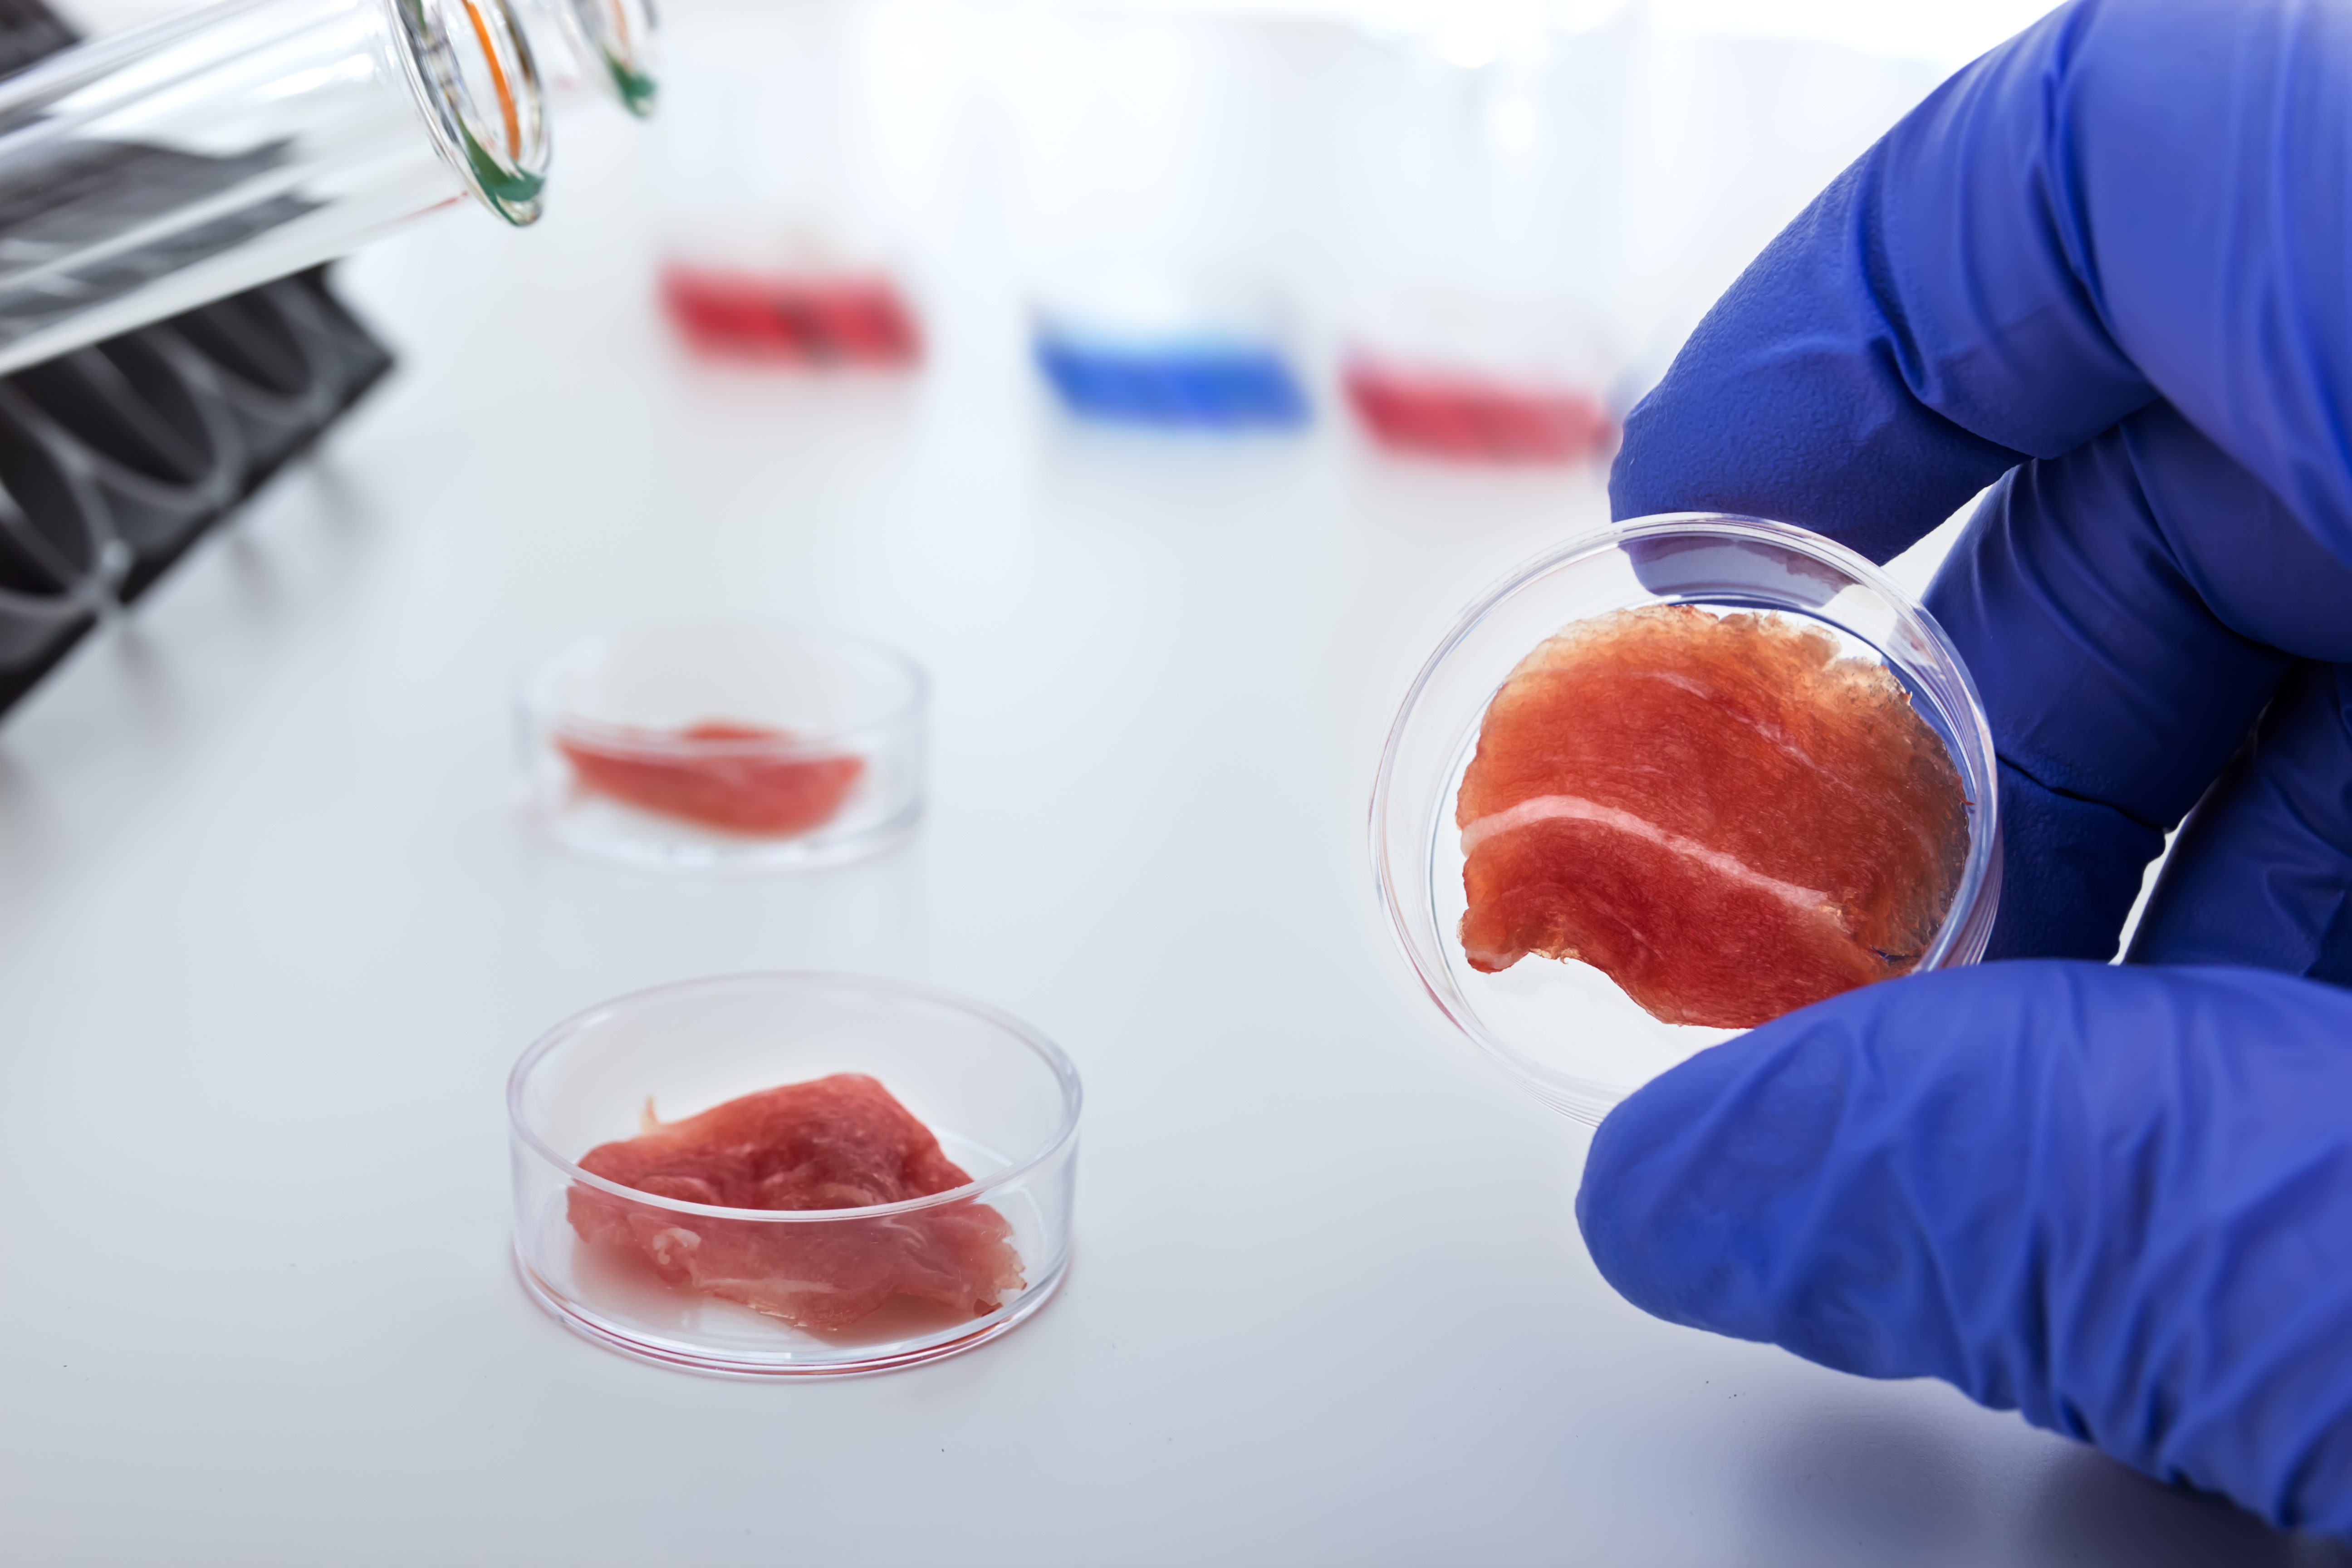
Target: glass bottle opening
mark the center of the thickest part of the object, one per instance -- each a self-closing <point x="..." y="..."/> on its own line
<point x="619" y="35"/>
<point x="482" y="97"/>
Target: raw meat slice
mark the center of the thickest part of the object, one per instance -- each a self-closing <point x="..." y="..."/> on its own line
<point x="714" y="773"/>
<point x="1719" y="812"/>
<point x="837" y="1142"/>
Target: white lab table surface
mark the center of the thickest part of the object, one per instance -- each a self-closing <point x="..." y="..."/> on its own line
<point x="271" y="936"/>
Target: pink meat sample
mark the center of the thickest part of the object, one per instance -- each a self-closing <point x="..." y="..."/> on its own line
<point x="837" y="1142"/>
<point x="738" y="778"/>
<point x="1719" y="812"/>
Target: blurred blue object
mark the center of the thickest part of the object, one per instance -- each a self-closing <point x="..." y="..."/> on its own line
<point x="1198" y="384"/>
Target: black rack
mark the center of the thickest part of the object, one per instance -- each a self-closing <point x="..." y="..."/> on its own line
<point x="116" y="460"/>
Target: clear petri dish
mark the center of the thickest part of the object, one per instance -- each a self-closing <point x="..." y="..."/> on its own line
<point x="1564" y="1030"/>
<point x="1003" y="1100"/>
<point x="719" y="746"/>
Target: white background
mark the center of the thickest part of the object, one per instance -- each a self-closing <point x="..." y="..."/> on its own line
<point x="270" y="937"/>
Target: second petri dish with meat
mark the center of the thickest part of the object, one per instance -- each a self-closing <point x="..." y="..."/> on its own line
<point x="722" y="745"/>
<point x="1671" y="781"/>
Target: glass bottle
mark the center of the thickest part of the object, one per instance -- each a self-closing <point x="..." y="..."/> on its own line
<point x="146" y="172"/>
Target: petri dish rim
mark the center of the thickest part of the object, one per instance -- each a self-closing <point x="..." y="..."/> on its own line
<point x="1065" y="1072"/>
<point x="601" y="1334"/>
<point x="541" y="711"/>
<point x="1967" y="922"/>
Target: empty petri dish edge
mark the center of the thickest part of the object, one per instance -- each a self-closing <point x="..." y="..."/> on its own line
<point x="1564" y="1032"/>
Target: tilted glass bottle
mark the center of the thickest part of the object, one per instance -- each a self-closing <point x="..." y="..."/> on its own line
<point x="149" y="172"/>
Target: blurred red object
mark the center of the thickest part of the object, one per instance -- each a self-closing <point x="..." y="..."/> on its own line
<point x="1476" y="419"/>
<point x="817" y="322"/>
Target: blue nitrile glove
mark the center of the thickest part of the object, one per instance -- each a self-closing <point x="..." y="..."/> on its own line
<point x="2113" y="260"/>
<point x="2118" y="1200"/>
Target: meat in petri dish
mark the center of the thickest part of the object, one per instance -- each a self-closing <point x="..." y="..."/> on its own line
<point x="1720" y="812"/>
<point x="738" y="778"/>
<point x="837" y="1142"/>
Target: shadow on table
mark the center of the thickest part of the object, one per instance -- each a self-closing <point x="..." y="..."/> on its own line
<point x="1865" y="1485"/>
<point x="1846" y="1485"/>
<point x="2094" y="1511"/>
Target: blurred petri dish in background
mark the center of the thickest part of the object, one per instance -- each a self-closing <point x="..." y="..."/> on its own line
<point x="1002" y="1099"/>
<point x="1170" y="353"/>
<point x="1565" y="1031"/>
<point x="723" y="746"/>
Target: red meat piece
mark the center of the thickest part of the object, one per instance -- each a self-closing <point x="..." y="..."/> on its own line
<point x="740" y="778"/>
<point x="1476" y="418"/>
<point x="801" y="320"/>
<point x="1720" y="813"/>
<point x="836" y="1143"/>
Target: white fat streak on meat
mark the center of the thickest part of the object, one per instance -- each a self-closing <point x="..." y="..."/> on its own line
<point x="1780" y="740"/>
<point x="1576" y="809"/>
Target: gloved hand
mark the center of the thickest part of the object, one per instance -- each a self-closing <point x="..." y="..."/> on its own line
<point x="2112" y="260"/>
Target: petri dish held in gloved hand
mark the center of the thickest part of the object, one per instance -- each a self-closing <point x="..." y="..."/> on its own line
<point x="722" y="745"/>
<point x="1673" y="780"/>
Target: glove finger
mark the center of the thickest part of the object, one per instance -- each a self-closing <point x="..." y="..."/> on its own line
<point x="2117" y="1200"/>
<point x="2127" y="202"/>
<point x="2261" y="873"/>
<point x="2085" y="607"/>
